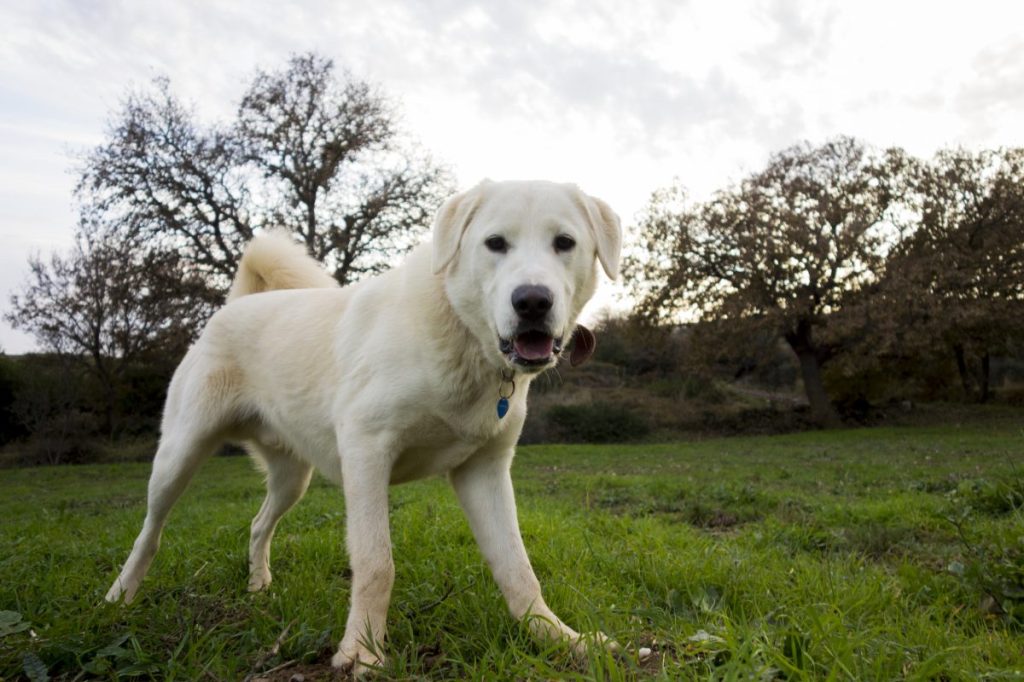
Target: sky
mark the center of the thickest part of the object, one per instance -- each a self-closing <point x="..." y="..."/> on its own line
<point x="620" y="97"/>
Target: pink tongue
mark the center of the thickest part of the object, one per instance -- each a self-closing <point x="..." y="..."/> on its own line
<point x="533" y="346"/>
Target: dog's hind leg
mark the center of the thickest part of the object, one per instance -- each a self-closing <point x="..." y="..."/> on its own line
<point x="177" y="459"/>
<point x="287" y="480"/>
<point x="201" y="406"/>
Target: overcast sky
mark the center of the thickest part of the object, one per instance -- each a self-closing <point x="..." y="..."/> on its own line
<point x="619" y="97"/>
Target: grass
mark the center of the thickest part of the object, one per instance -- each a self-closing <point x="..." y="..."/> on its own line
<point x="890" y="553"/>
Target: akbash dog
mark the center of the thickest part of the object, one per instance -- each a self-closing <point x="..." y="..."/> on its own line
<point x="423" y="370"/>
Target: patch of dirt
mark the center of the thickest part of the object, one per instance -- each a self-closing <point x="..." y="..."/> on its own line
<point x="431" y="659"/>
<point x="721" y="520"/>
<point x="302" y="672"/>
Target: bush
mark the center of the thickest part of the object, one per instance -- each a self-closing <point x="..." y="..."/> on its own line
<point x="638" y="348"/>
<point x="67" y="438"/>
<point x="10" y="426"/>
<point x="597" y="423"/>
<point x="749" y="421"/>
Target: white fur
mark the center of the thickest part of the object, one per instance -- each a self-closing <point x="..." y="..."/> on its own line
<point x="386" y="381"/>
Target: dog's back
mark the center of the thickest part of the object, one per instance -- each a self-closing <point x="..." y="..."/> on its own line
<point x="274" y="261"/>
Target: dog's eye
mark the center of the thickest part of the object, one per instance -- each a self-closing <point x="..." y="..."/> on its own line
<point x="564" y="242"/>
<point x="496" y="244"/>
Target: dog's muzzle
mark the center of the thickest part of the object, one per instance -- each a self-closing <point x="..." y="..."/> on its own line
<point x="532" y="344"/>
<point x="531" y="347"/>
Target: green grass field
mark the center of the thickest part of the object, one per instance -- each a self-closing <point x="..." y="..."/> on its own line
<point x="868" y="554"/>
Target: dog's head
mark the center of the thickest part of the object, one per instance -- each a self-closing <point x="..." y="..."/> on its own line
<point x="520" y="261"/>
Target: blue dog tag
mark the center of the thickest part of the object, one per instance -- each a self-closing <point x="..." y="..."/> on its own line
<point x="502" y="407"/>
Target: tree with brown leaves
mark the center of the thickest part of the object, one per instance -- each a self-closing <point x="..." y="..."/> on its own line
<point x="960" y="275"/>
<point x="783" y="250"/>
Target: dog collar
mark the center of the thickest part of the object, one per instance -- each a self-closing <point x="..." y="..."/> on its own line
<point x="507" y="377"/>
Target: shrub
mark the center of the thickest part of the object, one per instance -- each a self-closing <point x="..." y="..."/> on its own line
<point x="10" y="426"/>
<point x="597" y="423"/>
<point x="695" y="387"/>
<point x="67" y="438"/>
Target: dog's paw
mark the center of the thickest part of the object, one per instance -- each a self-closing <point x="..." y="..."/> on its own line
<point x="259" y="580"/>
<point x="357" y="659"/>
<point x="122" y="590"/>
<point x="593" y="641"/>
<point x="598" y="641"/>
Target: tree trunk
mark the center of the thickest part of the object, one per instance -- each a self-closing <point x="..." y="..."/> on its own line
<point x="983" y="379"/>
<point x="109" y="412"/>
<point x="108" y="389"/>
<point x="811" y="357"/>
<point x="965" y="373"/>
<point x="821" y="407"/>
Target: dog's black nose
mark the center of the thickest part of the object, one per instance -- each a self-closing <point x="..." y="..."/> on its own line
<point x="532" y="302"/>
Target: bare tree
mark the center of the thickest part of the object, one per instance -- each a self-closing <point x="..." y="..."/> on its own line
<point x="320" y="157"/>
<point x="108" y="303"/>
<point x="165" y="180"/>
<point x="783" y="251"/>
<point x="333" y="158"/>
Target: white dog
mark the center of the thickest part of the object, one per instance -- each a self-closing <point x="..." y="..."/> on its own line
<point x="423" y="370"/>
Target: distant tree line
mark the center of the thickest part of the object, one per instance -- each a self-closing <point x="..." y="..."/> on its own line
<point x="847" y="253"/>
<point x="847" y="262"/>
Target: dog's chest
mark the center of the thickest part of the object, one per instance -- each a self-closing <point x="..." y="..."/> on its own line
<point x="433" y="445"/>
<point x="420" y="461"/>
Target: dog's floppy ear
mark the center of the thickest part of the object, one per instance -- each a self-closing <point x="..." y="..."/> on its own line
<point x="584" y="343"/>
<point x="451" y="222"/>
<point x="607" y="230"/>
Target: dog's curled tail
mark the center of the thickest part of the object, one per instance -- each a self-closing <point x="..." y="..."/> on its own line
<point x="273" y="260"/>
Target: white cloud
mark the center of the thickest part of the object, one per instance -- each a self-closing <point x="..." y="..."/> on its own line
<point x="620" y="97"/>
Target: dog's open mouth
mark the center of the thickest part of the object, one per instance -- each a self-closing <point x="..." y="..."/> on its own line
<point x="531" y="348"/>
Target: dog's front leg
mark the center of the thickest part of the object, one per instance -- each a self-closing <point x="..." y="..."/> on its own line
<point x="366" y="471"/>
<point x="484" y="488"/>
